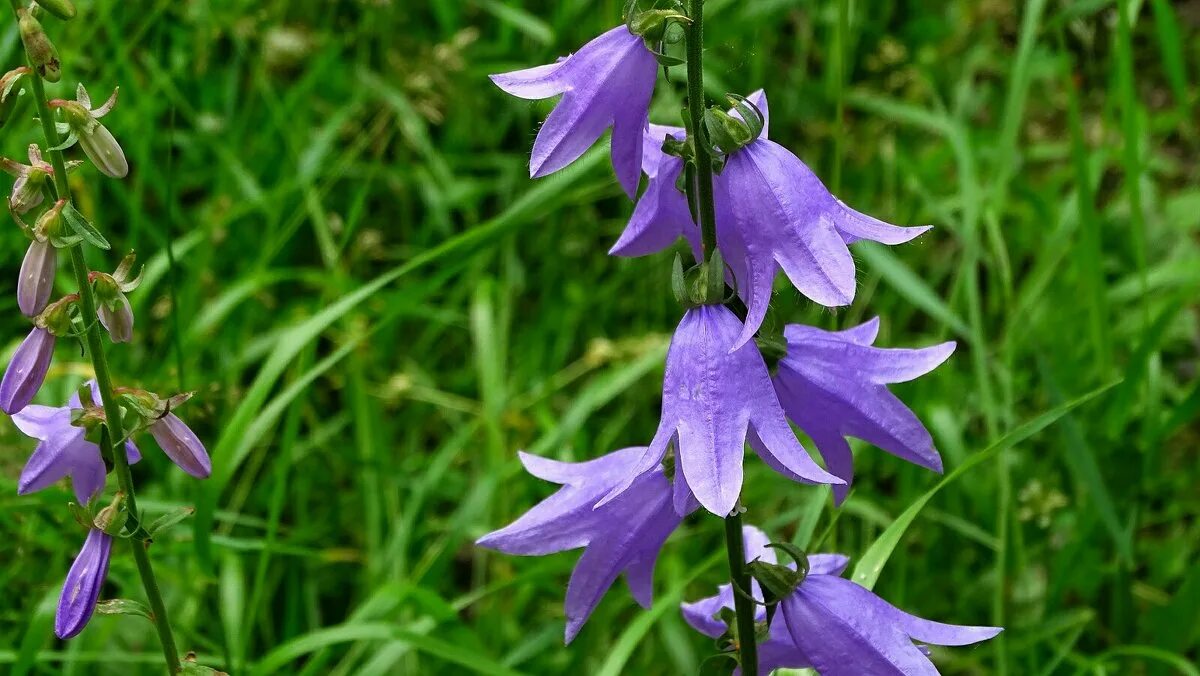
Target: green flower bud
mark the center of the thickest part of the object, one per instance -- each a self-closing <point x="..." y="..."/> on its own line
<point x="41" y="51"/>
<point x="62" y="9"/>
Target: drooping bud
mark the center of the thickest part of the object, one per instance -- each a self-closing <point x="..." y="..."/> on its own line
<point x="27" y="370"/>
<point x="112" y="307"/>
<point x="27" y="189"/>
<point x="62" y="9"/>
<point x="182" y="445"/>
<point x="10" y="90"/>
<point x="37" y="277"/>
<point x="97" y="142"/>
<point x="112" y="518"/>
<point x="42" y="53"/>
<point x="81" y="589"/>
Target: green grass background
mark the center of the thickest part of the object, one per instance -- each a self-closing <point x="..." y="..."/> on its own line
<point x="377" y="308"/>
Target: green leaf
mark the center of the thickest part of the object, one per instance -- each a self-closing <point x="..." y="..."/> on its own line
<point x="866" y="573"/>
<point x="84" y="227"/>
<point x="124" y="607"/>
<point x="166" y="521"/>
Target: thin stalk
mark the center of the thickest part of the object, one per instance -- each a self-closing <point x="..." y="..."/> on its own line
<point x="744" y="608"/>
<point x="112" y="410"/>
<point x="696" y="105"/>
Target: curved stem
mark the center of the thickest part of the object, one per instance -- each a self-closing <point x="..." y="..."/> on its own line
<point x="112" y="410"/>
<point x="696" y="105"/>
<point x="743" y="606"/>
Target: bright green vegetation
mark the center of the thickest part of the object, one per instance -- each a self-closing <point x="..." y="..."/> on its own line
<point x="377" y="309"/>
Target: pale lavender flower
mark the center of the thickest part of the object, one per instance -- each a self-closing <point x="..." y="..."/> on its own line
<point x="117" y="318"/>
<point x="27" y="370"/>
<point x="30" y="179"/>
<point x="81" y="589"/>
<point x="36" y="279"/>
<point x="714" y="394"/>
<point x="833" y="384"/>
<point x="772" y="212"/>
<point x="834" y="625"/>
<point x="63" y="451"/>
<point x="607" y="83"/>
<point x="83" y="125"/>
<point x="624" y="536"/>
<point x="182" y="445"/>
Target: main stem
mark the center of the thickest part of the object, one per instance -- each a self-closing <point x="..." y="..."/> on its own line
<point x="112" y="411"/>
<point x="696" y="105"/>
<point x="744" y="607"/>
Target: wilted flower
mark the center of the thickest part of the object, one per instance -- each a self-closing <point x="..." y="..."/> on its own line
<point x="833" y="384"/>
<point x="713" y="395"/>
<point x="27" y="370"/>
<point x="62" y="450"/>
<point x="30" y="179"/>
<point x="607" y="83"/>
<point x="82" y="586"/>
<point x="623" y="536"/>
<point x="182" y="445"/>
<point x="83" y="125"/>
<point x="36" y="279"/>
<point x="772" y="212"/>
<point x="835" y="626"/>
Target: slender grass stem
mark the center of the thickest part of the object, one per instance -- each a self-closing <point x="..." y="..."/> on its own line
<point x="744" y="608"/>
<point x="696" y="105"/>
<point x="112" y="410"/>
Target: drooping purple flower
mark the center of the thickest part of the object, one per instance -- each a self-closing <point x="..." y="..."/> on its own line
<point x="26" y="371"/>
<point x="834" y="625"/>
<point x="713" y="396"/>
<point x="623" y="536"/>
<point x="772" y="213"/>
<point x="82" y="586"/>
<point x="182" y="445"/>
<point x="607" y="83"/>
<point x="63" y="451"/>
<point x="36" y="279"/>
<point x="833" y="384"/>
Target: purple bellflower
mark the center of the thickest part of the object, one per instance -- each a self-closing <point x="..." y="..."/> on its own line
<point x="63" y="451"/>
<point x="82" y="586"/>
<point x="836" y="626"/>
<point x="833" y="384"/>
<point x="182" y="445"/>
<point x="713" y="394"/>
<point x="607" y="83"/>
<point x="772" y="212"/>
<point x="623" y="536"/>
<point x="27" y="370"/>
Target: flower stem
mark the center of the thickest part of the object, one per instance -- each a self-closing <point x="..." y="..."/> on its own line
<point x="736" y="548"/>
<point x="112" y="410"/>
<point x="696" y="105"/>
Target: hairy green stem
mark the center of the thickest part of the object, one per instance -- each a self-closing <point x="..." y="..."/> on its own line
<point x="104" y="383"/>
<point x="744" y="607"/>
<point x="696" y="106"/>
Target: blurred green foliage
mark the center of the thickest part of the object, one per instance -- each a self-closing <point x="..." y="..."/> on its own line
<point x="377" y="308"/>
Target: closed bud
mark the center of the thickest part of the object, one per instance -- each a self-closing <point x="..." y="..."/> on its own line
<point x="27" y="190"/>
<point x="37" y="277"/>
<point x="26" y="371"/>
<point x="112" y="518"/>
<point x="62" y="9"/>
<point x="10" y="90"/>
<point x="182" y="445"/>
<point x="41" y="51"/>
<point x="113" y="307"/>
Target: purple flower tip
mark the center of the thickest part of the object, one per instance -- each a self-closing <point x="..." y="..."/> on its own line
<point x="182" y="446"/>
<point x="27" y="371"/>
<point x="82" y="586"/>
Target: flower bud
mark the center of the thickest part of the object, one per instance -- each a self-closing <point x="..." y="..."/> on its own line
<point x="96" y="140"/>
<point x="62" y="9"/>
<point x="27" y="190"/>
<point x="10" y="88"/>
<point x="37" y="277"/>
<point x="41" y="51"/>
<point x="182" y="445"/>
<point x="113" y="307"/>
<point x="82" y="586"/>
<point x="26" y="371"/>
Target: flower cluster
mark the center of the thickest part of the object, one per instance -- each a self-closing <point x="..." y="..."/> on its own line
<point x="93" y="434"/>
<point x="766" y="212"/>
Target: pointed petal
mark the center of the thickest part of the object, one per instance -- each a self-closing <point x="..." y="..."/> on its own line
<point x="854" y="226"/>
<point x="43" y="422"/>
<point x="878" y="365"/>
<point x="754" y="544"/>
<point x="570" y="129"/>
<point x="838" y="458"/>
<point x="651" y="458"/>
<point x="539" y="82"/>
<point x="576" y="473"/>
<point x="937" y="633"/>
<point x="782" y="446"/>
<point x="630" y="123"/>
<point x="863" y="334"/>
<point x="46" y="466"/>
<point x="660" y="216"/>
<point x="827" y="564"/>
<point x="107" y="106"/>
<point x="701" y="615"/>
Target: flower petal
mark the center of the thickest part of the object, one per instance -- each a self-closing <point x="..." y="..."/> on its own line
<point x="82" y="586"/>
<point x="854" y="225"/>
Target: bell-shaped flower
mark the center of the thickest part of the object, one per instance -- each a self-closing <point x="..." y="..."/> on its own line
<point x="112" y="305"/>
<point x="714" y="394"/>
<point x="607" y="83"/>
<point x="30" y="180"/>
<point x="27" y="370"/>
<point x="63" y="451"/>
<point x="81" y="589"/>
<point x="83" y="125"/>
<point x="772" y="212"/>
<point x="833" y="384"/>
<point x="182" y="445"/>
<point x="623" y="536"/>
<point x="36" y="280"/>
<point x="833" y="625"/>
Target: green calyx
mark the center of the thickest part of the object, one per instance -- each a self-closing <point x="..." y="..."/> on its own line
<point x="778" y="581"/>
<point x="729" y="133"/>
<point x="703" y="284"/>
<point x="657" y="27"/>
<point x="42" y="53"/>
